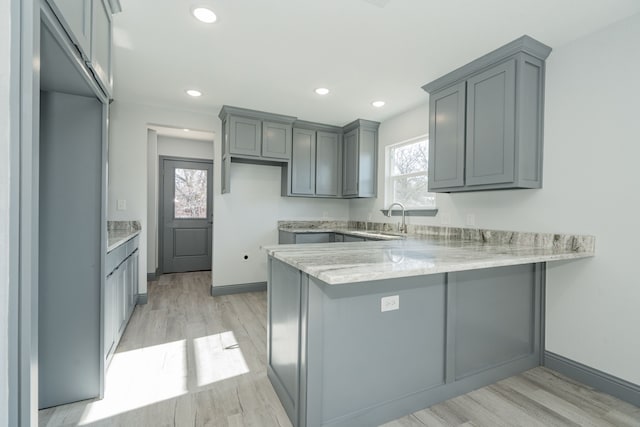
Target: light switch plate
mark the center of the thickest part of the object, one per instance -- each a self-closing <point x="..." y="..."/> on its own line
<point x="390" y="303"/>
<point x="121" y="205"/>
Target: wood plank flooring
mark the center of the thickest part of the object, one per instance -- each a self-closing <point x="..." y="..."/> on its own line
<point x="187" y="359"/>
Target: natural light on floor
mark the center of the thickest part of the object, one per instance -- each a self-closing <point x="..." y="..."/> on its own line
<point x="148" y="375"/>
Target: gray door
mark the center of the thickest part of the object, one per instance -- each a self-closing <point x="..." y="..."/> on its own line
<point x="303" y="163"/>
<point x="327" y="164"/>
<point x="446" y="132"/>
<point x="350" y="164"/>
<point x="491" y="115"/>
<point x="186" y="211"/>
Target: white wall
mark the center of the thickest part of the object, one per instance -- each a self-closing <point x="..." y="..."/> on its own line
<point x="161" y="145"/>
<point x="591" y="176"/>
<point x="128" y="160"/>
<point x="246" y="219"/>
<point x="5" y="68"/>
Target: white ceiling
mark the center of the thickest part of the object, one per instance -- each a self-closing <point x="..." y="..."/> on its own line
<point x="271" y="54"/>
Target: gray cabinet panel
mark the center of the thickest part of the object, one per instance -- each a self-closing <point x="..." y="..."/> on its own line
<point x="303" y="162"/>
<point x="327" y="164"/>
<point x="446" y="145"/>
<point x="348" y="238"/>
<point x="491" y="125"/>
<point x="495" y="317"/>
<point x="314" y="237"/>
<point x="276" y="140"/>
<point x="284" y="331"/>
<point x="70" y="276"/>
<point x="101" y="44"/>
<point x="245" y="136"/>
<point x="350" y="164"/>
<point x="367" y="162"/>
<point x="75" y="16"/>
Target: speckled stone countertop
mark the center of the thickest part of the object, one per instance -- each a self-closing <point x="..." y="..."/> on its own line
<point x="426" y="250"/>
<point x="119" y="232"/>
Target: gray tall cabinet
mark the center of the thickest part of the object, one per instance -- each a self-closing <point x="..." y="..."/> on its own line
<point x="75" y="86"/>
<point x="360" y="163"/>
<point x="485" y="121"/>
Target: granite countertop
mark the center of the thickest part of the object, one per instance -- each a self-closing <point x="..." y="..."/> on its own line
<point x="119" y="232"/>
<point x="426" y="250"/>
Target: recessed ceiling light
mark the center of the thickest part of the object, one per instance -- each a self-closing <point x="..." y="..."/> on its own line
<point x="204" y="14"/>
<point x="194" y="93"/>
<point x="378" y="104"/>
<point x="322" y="91"/>
<point x="186" y="130"/>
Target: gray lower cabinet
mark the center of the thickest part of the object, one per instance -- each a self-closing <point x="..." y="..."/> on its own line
<point x="120" y="294"/>
<point x="485" y="121"/>
<point x="359" y="161"/>
<point x="335" y="359"/>
<point x="348" y="238"/>
<point x="286" y="237"/>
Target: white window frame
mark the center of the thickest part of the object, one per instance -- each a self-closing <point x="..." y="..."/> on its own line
<point x="389" y="177"/>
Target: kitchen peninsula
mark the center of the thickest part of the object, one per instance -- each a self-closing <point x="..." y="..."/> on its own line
<point x="362" y="333"/>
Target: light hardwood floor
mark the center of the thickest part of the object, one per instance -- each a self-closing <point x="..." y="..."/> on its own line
<point x="187" y="359"/>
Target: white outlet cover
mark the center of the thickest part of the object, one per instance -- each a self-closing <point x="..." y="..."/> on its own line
<point x="122" y="205"/>
<point x="390" y="303"/>
<point x="471" y="219"/>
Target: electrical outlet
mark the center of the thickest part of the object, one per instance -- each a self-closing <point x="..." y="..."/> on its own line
<point x="471" y="219"/>
<point x="390" y="303"/>
<point x="121" y="205"/>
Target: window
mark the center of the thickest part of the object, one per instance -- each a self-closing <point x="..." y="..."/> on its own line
<point x="407" y="164"/>
<point x="190" y="193"/>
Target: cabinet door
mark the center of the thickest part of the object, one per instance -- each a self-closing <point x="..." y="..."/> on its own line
<point x="327" y="166"/>
<point x="314" y="238"/>
<point x="446" y="131"/>
<point x="367" y="164"/>
<point x="276" y="140"/>
<point x="350" y="164"/>
<point x="303" y="162"/>
<point x="491" y="119"/>
<point x="101" y="36"/>
<point x="348" y="238"/>
<point x="121" y="303"/>
<point x="75" y="16"/>
<point x="245" y="136"/>
<point x="109" y="335"/>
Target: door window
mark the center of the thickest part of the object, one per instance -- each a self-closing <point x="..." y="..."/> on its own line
<point x="190" y="199"/>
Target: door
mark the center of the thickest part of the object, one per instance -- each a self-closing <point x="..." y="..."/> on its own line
<point x="245" y="136"/>
<point x="446" y="130"/>
<point x="303" y="162"/>
<point x="350" y="164"/>
<point x="327" y="167"/>
<point x="186" y="209"/>
<point x="491" y="115"/>
<point x="276" y="140"/>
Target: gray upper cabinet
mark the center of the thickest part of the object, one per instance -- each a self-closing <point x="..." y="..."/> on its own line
<point x="314" y="170"/>
<point x="75" y="17"/>
<point x="245" y="136"/>
<point x="276" y="140"/>
<point x="446" y="148"/>
<point x="359" y="163"/>
<point x="88" y="25"/>
<point x="327" y="164"/>
<point x="101" y="44"/>
<point x="485" y="121"/>
<point x="303" y="162"/>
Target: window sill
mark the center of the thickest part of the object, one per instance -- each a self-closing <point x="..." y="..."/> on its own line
<point x="411" y="212"/>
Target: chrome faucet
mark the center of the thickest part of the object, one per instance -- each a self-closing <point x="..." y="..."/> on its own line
<point x="403" y="227"/>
